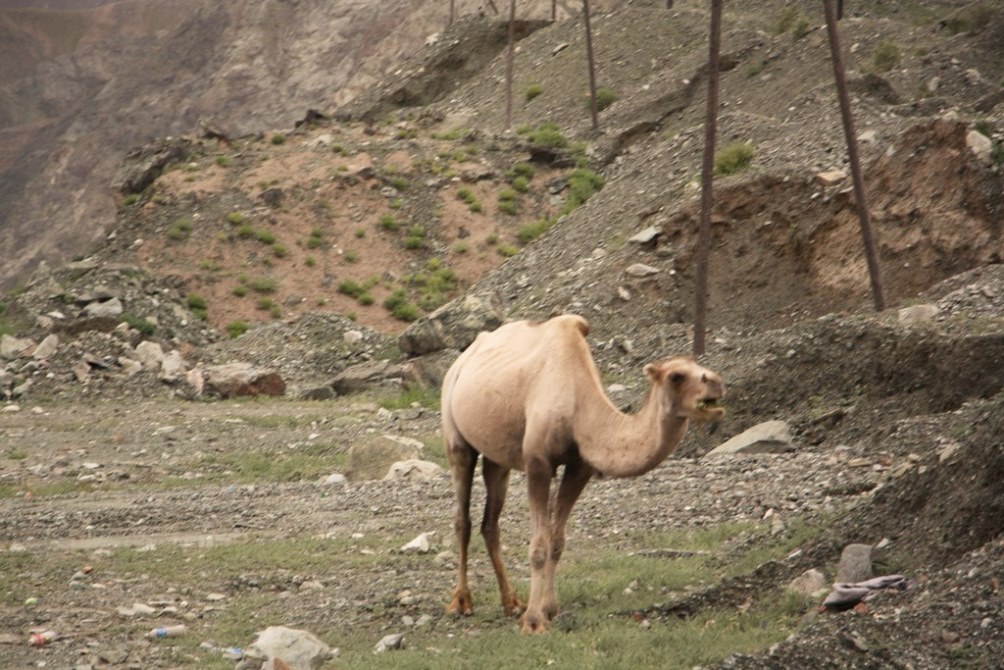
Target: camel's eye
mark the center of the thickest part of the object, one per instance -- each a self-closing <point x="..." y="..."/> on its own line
<point x="677" y="378"/>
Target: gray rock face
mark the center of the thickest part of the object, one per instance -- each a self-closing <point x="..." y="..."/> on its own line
<point x="855" y="564"/>
<point x="770" y="437"/>
<point x="373" y="458"/>
<point x="242" y="379"/>
<point x="429" y="370"/>
<point x="452" y="326"/>
<point x="366" y="375"/>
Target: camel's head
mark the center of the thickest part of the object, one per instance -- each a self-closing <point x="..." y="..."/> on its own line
<point x="693" y="391"/>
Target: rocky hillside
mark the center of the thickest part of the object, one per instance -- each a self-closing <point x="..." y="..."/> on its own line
<point x="323" y="239"/>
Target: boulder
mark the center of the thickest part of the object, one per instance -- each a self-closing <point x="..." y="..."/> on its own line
<point x="452" y="326"/>
<point x="242" y="379"/>
<point x="366" y="375"/>
<point x="46" y="348"/>
<point x="297" y="649"/>
<point x="172" y="368"/>
<point x="429" y="370"/>
<point x="107" y="308"/>
<point x="12" y="347"/>
<point x="143" y="165"/>
<point x="769" y="437"/>
<point x="918" y="314"/>
<point x="413" y="469"/>
<point x="855" y="564"/>
<point x="811" y="583"/>
<point x="150" y="355"/>
<point x="373" y="458"/>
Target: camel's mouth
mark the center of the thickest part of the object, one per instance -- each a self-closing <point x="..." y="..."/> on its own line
<point x="709" y="408"/>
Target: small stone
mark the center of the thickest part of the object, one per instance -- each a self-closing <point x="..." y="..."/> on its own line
<point x="646" y="236"/>
<point x="390" y="642"/>
<point x="641" y="270"/>
<point x="917" y="314"/>
<point x="831" y="177"/>
<point x="334" y="479"/>
<point x="980" y="145"/>
<point x="420" y="545"/>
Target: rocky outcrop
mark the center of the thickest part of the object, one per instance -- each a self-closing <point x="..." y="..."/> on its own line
<point x="453" y="326"/>
<point x="233" y="380"/>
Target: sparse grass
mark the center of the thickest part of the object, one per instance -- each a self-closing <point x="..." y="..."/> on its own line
<point x="389" y="223"/>
<point x="415" y="238"/>
<point x="507" y="201"/>
<point x="350" y="257"/>
<point x="360" y="233"/>
<point x="885" y="57"/>
<point x="180" y="229"/>
<point x="532" y="91"/>
<point x="263" y="284"/>
<point x="451" y="135"/>
<point x="547" y="134"/>
<point x="467" y="195"/>
<point x="492" y="239"/>
<point x="521" y="184"/>
<point x="237" y="328"/>
<point x="131" y="199"/>
<point x="399" y="183"/>
<point x="141" y="325"/>
<point x="409" y="396"/>
<point x="801" y="29"/>
<point x="971" y="19"/>
<point x="604" y="98"/>
<point x="245" y="231"/>
<point x="756" y="67"/>
<point x="310" y="261"/>
<point x="733" y="158"/>
<point x="786" y="20"/>
<point x="528" y="232"/>
<point x="197" y="304"/>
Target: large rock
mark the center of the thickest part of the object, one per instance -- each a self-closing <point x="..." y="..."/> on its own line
<point x="770" y="437"/>
<point x="811" y="583"/>
<point x="143" y="165"/>
<point x="150" y="355"/>
<point x="373" y="458"/>
<point x="429" y="370"/>
<point x="46" y="348"/>
<point x="242" y="379"/>
<point x="855" y="564"/>
<point x="366" y="375"/>
<point x="172" y="368"/>
<point x="108" y="309"/>
<point x="12" y="347"/>
<point x="413" y="469"/>
<point x="298" y="649"/>
<point x="452" y="326"/>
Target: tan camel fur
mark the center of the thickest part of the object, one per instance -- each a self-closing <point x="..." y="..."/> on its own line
<point x="528" y="396"/>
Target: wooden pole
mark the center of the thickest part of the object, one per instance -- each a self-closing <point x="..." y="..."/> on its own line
<point x="707" y="178"/>
<point x="509" y="64"/>
<point x="554" y="10"/>
<point x="592" y="68"/>
<point x="452" y="9"/>
<point x="874" y="269"/>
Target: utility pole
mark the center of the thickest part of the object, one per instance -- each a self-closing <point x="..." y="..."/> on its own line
<point x="592" y="68"/>
<point x="871" y="255"/>
<point x="509" y="62"/>
<point x="707" y="179"/>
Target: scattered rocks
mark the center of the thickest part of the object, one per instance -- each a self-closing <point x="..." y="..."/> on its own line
<point x="641" y="270"/>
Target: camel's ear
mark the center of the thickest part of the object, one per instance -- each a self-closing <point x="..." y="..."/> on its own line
<point x="653" y="372"/>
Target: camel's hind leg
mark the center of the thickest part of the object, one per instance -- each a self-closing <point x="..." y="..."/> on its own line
<point x="462" y="459"/>
<point x="496" y="485"/>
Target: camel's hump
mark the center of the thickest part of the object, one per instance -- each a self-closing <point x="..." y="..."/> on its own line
<point x="572" y="321"/>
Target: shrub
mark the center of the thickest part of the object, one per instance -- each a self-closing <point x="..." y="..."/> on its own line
<point x="240" y="290"/>
<point x="885" y="58"/>
<point x="310" y="261"/>
<point x="468" y="196"/>
<point x="223" y="160"/>
<point x="278" y="138"/>
<point x="389" y="223"/>
<point x="141" y="325"/>
<point x="460" y="247"/>
<point x="195" y="301"/>
<point x="582" y="184"/>
<point x="351" y="257"/>
<point x="237" y="328"/>
<point x="399" y="183"/>
<point x="279" y="250"/>
<point x="733" y="158"/>
<point x="528" y="232"/>
<point x="131" y="199"/>
<point x="265" y="304"/>
<point x="532" y="91"/>
<point x="360" y="233"/>
<point x="801" y="29"/>
<point x="235" y="218"/>
<point x="547" y="134"/>
<point x="785" y="20"/>
<point x="522" y="169"/>
<point x="604" y="98"/>
<point x="263" y="284"/>
<point x="508" y="207"/>
<point x="244" y="231"/>
<point x="521" y="184"/>
<point x="365" y="299"/>
<point x="492" y="239"/>
<point x="397" y="304"/>
<point x="507" y="250"/>
<point x="264" y="236"/>
<point x="180" y="229"/>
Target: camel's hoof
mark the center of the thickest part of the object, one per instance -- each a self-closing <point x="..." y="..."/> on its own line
<point x="533" y="625"/>
<point x="513" y="607"/>
<point x="461" y="605"/>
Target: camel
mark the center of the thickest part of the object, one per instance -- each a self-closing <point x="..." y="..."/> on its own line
<point x="528" y="397"/>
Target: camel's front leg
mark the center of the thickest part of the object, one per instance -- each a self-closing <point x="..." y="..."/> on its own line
<point x="577" y="475"/>
<point x="538" y="483"/>
<point x="496" y="485"/>
<point x="462" y="461"/>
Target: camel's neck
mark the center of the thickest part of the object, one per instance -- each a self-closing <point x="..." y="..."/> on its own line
<point x="626" y="445"/>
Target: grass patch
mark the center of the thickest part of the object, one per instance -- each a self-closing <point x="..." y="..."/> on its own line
<point x="547" y="134"/>
<point x="139" y="324"/>
<point x="398" y="305"/>
<point x="263" y="284"/>
<point x="604" y="98"/>
<point x="235" y="218"/>
<point x="180" y="229"/>
<point x="533" y="91"/>
<point x="885" y="57"/>
<point x="467" y="195"/>
<point x="528" y="232"/>
<point x="198" y="305"/>
<point x="389" y="223"/>
<point x="425" y="397"/>
<point x="583" y="183"/>
<point x="734" y="157"/>
<point x="237" y="328"/>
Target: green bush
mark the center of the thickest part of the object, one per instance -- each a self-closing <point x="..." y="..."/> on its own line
<point x="733" y="158"/>
<point x="310" y="261"/>
<point x="522" y="169"/>
<point x="532" y="91"/>
<point x="279" y="250"/>
<point x="507" y="250"/>
<point x="131" y="199"/>
<point x="885" y="57"/>
<point x="547" y="134"/>
<point x="397" y="304"/>
<point x="235" y="218"/>
<point x="521" y="184"/>
<point x="583" y="183"/>
<point x="264" y="236"/>
<point x="604" y="98"/>
<point x="351" y="288"/>
<point x="528" y="232"/>
<point x="223" y="160"/>
<point x="389" y="223"/>
<point x="180" y="229"/>
<point x="141" y="325"/>
<point x="351" y="257"/>
<point x="263" y="284"/>
<point x="244" y="231"/>
<point x="237" y="328"/>
<point x="278" y="138"/>
<point x="240" y="290"/>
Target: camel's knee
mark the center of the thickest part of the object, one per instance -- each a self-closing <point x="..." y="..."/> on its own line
<point x="462" y="525"/>
<point x="557" y="548"/>
<point x="538" y="556"/>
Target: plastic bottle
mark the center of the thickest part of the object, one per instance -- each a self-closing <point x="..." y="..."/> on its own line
<point x="167" y="631"/>
<point x="43" y="638"/>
